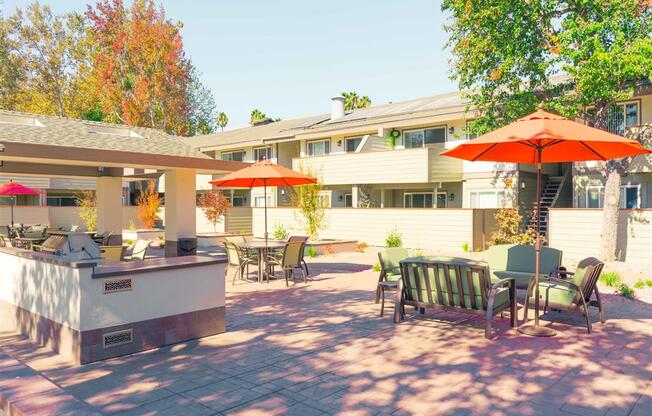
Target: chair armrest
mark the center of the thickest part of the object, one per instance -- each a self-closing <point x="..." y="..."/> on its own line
<point x="561" y="272"/>
<point x="502" y="282"/>
<point x="562" y="282"/>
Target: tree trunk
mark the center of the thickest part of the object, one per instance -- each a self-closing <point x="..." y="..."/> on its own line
<point x="610" y="213"/>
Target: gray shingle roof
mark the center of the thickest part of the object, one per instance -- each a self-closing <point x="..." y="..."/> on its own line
<point x="59" y="131"/>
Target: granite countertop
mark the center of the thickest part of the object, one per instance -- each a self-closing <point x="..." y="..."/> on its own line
<point x="49" y="258"/>
<point x="116" y="268"/>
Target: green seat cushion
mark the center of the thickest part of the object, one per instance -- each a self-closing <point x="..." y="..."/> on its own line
<point x="393" y="277"/>
<point x="502" y="298"/>
<point x="522" y="279"/>
<point x="556" y="293"/>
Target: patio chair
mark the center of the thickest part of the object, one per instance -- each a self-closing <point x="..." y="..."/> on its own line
<point x="140" y="249"/>
<point x="113" y="253"/>
<point x="518" y="260"/>
<point x="571" y="292"/>
<point x="390" y="272"/>
<point x="290" y="261"/>
<point x="459" y="285"/>
<point x="239" y="259"/>
<point x="103" y="238"/>
<point x="302" y="239"/>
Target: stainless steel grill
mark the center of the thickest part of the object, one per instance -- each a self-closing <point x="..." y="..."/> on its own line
<point x="72" y="246"/>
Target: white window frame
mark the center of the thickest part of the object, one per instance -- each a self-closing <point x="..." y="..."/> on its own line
<point x="624" y="104"/>
<point x="268" y="152"/>
<point x="432" y="194"/>
<point x="444" y="127"/>
<point x="600" y="189"/>
<point x="494" y="191"/>
<point x="346" y="141"/>
<point x="244" y="154"/>
<point x="348" y="196"/>
<point x="318" y="141"/>
<point x="262" y="203"/>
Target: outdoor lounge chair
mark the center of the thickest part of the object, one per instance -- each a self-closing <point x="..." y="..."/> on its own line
<point x="390" y="272"/>
<point x="239" y="259"/>
<point x="518" y="261"/>
<point x="437" y="283"/>
<point x="290" y="261"/>
<point x="113" y="253"/>
<point x="140" y="250"/>
<point x="572" y="292"/>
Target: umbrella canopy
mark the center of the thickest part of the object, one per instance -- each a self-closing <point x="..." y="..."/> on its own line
<point x="14" y="188"/>
<point x="263" y="173"/>
<point x="544" y="137"/>
<point x="559" y="139"/>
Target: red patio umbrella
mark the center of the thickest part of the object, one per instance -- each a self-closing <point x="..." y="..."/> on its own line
<point x="543" y="137"/>
<point x="263" y="173"/>
<point x="13" y="189"/>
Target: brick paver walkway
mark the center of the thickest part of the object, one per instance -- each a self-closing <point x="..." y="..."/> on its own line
<point x="321" y="348"/>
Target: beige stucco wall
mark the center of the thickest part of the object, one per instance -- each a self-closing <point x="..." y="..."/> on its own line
<point x="435" y="229"/>
<point x="577" y="232"/>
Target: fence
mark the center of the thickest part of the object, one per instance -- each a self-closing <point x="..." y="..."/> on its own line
<point x="578" y="233"/>
<point x="432" y="229"/>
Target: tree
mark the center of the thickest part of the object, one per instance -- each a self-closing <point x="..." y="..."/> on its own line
<point x="509" y="228"/>
<point x="53" y="57"/>
<point x="307" y="199"/>
<point x="87" y="204"/>
<point x="201" y="106"/>
<point x="215" y="206"/>
<point x="505" y="53"/>
<point x="10" y="68"/>
<point x="140" y="65"/>
<point x="222" y="120"/>
<point x="256" y="116"/>
<point x="148" y="202"/>
<point x="352" y="101"/>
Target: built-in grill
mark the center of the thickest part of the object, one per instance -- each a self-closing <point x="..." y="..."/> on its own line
<point x="72" y="246"/>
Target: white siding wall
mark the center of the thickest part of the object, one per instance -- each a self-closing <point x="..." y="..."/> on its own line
<point x="432" y="229"/>
<point x="577" y="232"/>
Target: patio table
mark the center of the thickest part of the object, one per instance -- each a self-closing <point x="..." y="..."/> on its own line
<point x="260" y="247"/>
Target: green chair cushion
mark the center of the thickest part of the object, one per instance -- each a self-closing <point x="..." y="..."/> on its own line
<point x="522" y="279"/>
<point x="556" y="293"/>
<point x="521" y="258"/>
<point x="393" y="277"/>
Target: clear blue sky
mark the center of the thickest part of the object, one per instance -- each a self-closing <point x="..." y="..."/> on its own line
<point x="288" y="57"/>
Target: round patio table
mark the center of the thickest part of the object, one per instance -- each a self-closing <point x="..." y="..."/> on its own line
<point x="260" y="247"/>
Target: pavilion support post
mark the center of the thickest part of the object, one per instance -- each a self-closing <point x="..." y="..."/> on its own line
<point x="180" y="213"/>
<point x="108" y="194"/>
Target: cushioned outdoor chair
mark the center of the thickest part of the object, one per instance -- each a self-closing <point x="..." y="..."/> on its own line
<point x="239" y="259"/>
<point x="290" y="261"/>
<point x="302" y="239"/>
<point x="113" y="253"/>
<point x="140" y="250"/>
<point x="570" y="291"/>
<point x="390" y="272"/>
<point x="518" y="261"/>
<point x="459" y="285"/>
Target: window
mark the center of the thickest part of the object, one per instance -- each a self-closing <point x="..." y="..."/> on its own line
<point x="352" y="144"/>
<point x="237" y="201"/>
<point x="421" y="138"/>
<point x="418" y="200"/>
<point x="259" y="201"/>
<point x="324" y="198"/>
<point x="319" y="147"/>
<point x="261" y="153"/>
<point x="487" y="199"/>
<point x="622" y="116"/>
<point x="630" y="196"/>
<point x="237" y="155"/>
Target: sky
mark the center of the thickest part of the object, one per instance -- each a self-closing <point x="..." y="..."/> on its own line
<point x="288" y="57"/>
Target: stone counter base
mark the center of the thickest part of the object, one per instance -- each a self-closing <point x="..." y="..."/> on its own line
<point x="100" y="344"/>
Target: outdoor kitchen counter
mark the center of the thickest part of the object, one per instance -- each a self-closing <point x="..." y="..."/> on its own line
<point x="48" y="258"/>
<point x="123" y="268"/>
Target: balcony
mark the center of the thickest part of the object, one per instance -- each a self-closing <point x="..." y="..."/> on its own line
<point x="393" y="166"/>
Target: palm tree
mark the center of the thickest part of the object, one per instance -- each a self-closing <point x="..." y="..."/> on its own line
<point x="352" y="101"/>
<point x="222" y="120"/>
<point x="256" y="116"/>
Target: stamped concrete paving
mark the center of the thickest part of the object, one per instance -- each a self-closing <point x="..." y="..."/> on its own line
<point x="321" y="348"/>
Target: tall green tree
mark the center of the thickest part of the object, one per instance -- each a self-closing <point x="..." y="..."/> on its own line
<point x="222" y="120"/>
<point x="352" y="101"/>
<point x="506" y="52"/>
<point x="256" y="116"/>
<point x="201" y="106"/>
<point x="10" y="68"/>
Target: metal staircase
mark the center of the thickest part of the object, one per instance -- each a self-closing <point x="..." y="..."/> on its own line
<point x="549" y="195"/>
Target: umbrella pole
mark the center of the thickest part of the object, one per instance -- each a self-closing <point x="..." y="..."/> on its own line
<point x="12" y="211"/>
<point x="265" y="251"/>
<point x="537" y="330"/>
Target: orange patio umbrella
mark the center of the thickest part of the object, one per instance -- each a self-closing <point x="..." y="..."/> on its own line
<point x="14" y="189"/>
<point x="543" y="137"/>
<point x="263" y="173"/>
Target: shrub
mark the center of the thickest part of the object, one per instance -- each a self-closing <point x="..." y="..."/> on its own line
<point x="626" y="291"/>
<point x="510" y="228"/>
<point x="87" y="208"/>
<point x="465" y="247"/>
<point x="309" y="202"/>
<point x="329" y="250"/>
<point x="310" y="251"/>
<point x="394" y="239"/>
<point x="132" y="225"/>
<point x="417" y="253"/>
<point x="610" y="279"/>
<point x="377" y="267"/>
<point x="148" y="202"/>
<point x="280" y="232"/>
<point x="214" y="205"/>
<point x="362" y="246"/>
<point x="641" y="284"/>
<point x="129" y="242"/>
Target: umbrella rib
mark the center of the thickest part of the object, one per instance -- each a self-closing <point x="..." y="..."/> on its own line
<point x="484" y="152"/>
<point x="592" y="151"/>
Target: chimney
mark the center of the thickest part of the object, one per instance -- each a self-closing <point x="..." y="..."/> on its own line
<point x="337" y="107"/>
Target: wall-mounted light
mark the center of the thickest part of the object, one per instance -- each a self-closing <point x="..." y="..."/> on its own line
<point x="340" y="198"/>
<point x="451" y="197"/>
<point x="339" y="143"/>
<point x="451" y="130"/>
<point x="100" y="169"/>
<point x="522" y="184"/>
<point x="2" y="163"/>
